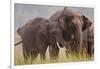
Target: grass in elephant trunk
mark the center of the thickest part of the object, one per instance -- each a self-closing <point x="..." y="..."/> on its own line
<point x="19" y="60"/>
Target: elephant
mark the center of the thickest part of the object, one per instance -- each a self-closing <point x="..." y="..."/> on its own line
<point x="77" y="24"/>
<point x="89" y="42"/>
<point x="90" y="49"/>
<point x="29" y="39"/>
<point x="64" y="28"/>
<point x="89" y="34"/>
<point x="39" y="34"/>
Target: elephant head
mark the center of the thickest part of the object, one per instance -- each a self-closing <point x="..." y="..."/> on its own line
<point x="72" y="24"/>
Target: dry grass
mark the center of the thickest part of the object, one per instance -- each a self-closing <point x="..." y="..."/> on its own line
<point x="19" y="59"/>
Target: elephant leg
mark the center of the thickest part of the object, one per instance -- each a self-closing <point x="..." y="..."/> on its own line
<point x="54" y="52"/>
<point x="26" y="54"/>
<point x="90" y="48"/>
<point x="34" y="55"/>
<point x="43" y="52"/>
<point x="69" y="48"/>
<point x="42" y="55"/>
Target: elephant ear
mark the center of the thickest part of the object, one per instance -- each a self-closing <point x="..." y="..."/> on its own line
<point x="86" y="23"/>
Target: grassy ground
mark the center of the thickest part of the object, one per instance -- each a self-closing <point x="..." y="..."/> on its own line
<point x="19" y="59"/>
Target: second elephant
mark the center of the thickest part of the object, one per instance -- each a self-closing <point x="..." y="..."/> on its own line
<point x="76" y="24"/>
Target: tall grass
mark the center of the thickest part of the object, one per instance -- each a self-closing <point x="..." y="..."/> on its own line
<point x="19" y="60"/>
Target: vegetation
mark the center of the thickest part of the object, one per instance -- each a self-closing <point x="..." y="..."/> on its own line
<point x="19" y="60"/>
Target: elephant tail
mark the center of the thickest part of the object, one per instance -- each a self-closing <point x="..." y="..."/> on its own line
<point x="18" y="43"/>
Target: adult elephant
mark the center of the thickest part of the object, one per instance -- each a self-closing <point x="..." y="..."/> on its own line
<point x="37" y="35"/>
<point x="90" y="49"/>
<point x="75" y="25"/>
<point x="31" y="39"/>
<point x="88" y="35"/>
<point x="40" y="33"/>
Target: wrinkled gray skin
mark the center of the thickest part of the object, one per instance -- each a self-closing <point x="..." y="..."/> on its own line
<point x="90" y="49"/>
<point x="31" y="44"/>
<point x="37" y="35"/>
<point x="89" y="42"/>
<point x="40" y="33"/>
<point x="75" y="24"/>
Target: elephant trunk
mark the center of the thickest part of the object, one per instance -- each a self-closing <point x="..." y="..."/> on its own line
<point x="60" y="41"/>
<point x="78" y="39"/>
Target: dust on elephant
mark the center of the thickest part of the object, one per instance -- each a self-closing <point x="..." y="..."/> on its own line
<point x="75" y="24"/>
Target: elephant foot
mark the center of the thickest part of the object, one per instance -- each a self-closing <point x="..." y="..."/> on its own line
<point x="54" y="53"/>
<point x="42" y="57"/>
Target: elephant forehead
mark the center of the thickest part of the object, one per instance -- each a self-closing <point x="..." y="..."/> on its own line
<point x="77" y="20"/>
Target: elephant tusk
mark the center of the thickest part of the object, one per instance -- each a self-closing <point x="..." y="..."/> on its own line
<point x="58" y="44"/>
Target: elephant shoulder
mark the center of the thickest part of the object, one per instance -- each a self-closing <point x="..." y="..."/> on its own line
<point x="36" y="20"/>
